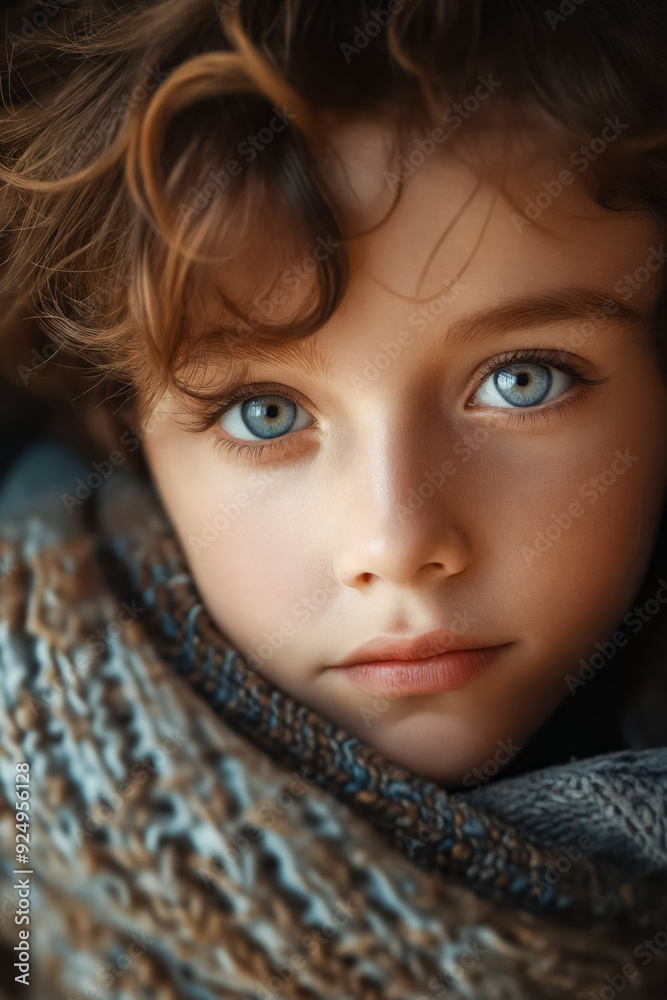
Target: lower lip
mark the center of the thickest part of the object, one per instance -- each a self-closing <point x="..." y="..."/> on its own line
<point x="444" y="672"/>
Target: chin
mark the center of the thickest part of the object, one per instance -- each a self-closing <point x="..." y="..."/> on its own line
<point x="448" y="762"/>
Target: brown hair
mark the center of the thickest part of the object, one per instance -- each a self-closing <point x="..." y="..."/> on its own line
<point x="121" y="127"/>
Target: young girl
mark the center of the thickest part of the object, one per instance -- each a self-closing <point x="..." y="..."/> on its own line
<point x="360" y="309"/>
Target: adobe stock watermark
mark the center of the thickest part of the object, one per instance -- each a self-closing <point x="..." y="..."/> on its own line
<point x="229" y="511"/>
<point x="248" y="149"/>
<point x="292" y="278"/>
<point x="631" y="283"/>
<point x="453" y="117"/>
<point x="303" y="609"/>
<point x="97" y="641"/>
<point x="40" y="17"/>
<point x="118" y="112"/>
<point x="625" y="288"/>
<point x="391" y="350"/>
<point x="635" y="619"/>
<point x="591" y="490"/>
<point x="458" y="624"/>
<point x="39" y="358"/>
<point x="467" y="956"/>
<point x="378" y="20"/>
<point x="223" y="7"/>
<point x="580" y="158"/>
<point x="566" y="9"/>
<point x="569" y="855"/>
<point x="45" y="694"/>
<point x="582" y="332"/>
<point x="464" y="448"/>
<point x="473" y="780"/>
<point x="131" y="440"/>
<point x="647" y="951"/>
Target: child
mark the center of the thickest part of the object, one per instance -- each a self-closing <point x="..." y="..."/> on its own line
<point x="372" y="300"/>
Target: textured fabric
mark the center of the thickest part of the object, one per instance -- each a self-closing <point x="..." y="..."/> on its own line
<point x="198" y="833"/>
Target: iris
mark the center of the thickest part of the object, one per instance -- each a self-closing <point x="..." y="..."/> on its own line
<point x="523" y="385"/>
<point x="268" y="416"/>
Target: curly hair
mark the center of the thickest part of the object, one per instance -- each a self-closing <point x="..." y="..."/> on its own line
<point x="147" y="144"/>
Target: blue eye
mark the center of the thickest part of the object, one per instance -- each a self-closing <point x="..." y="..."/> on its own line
<point x="522" y="385"/>
<point x="264" y="417"/>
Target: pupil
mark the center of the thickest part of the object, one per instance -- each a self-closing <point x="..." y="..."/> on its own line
<point x="522" y="379"/>
<point x="272" y="410"/>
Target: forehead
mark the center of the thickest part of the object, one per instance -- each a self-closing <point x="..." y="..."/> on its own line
<point x="505" y="228"/>
<point x="512" y="213"/>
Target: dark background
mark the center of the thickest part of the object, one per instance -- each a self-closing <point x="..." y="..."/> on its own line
<point x="24" y="416"/>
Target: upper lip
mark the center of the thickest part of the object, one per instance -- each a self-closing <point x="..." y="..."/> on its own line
<point x="418" y="648"/>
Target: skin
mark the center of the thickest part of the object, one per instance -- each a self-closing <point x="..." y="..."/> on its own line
<point x="333" y="515"/>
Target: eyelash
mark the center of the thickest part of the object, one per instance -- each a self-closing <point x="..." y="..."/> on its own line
<point x="246" y="452"/>
<point x="255" y="453"/>
<point x="541" y="356"/>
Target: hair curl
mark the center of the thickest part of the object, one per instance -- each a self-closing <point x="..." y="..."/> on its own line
<point x="115" y="119"/>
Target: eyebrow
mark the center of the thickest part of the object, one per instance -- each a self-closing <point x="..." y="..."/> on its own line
<point x="558" y="306"/>
<point x="569" y="303"/>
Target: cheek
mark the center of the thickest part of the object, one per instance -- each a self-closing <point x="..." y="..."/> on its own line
<point x="571" y="530"/>
<point x="254" y="540"/>
<point x="252" y="557"/>
<point x="246" y="574"/>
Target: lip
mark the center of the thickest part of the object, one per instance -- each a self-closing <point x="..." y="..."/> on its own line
<point x="429" y="644"/>
<point x="437" y="661"/>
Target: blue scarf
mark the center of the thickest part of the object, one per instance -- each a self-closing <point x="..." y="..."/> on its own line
<point x="583" y="840"/>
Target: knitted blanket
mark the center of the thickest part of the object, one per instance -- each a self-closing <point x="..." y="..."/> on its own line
<point x="196" y="833"/>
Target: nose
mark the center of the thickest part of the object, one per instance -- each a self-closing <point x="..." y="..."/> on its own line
<point x="402" y="524"/>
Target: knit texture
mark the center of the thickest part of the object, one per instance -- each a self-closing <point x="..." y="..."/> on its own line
<point x="195" y="832"/>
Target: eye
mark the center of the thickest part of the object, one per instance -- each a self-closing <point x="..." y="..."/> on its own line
<point x="521" y="385"/>
<point x="260" y="418"/>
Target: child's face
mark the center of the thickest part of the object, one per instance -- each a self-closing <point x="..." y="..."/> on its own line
<point x="398" y="507"/>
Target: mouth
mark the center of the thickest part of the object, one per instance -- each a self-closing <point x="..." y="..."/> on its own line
<point x="437" y="661"/>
